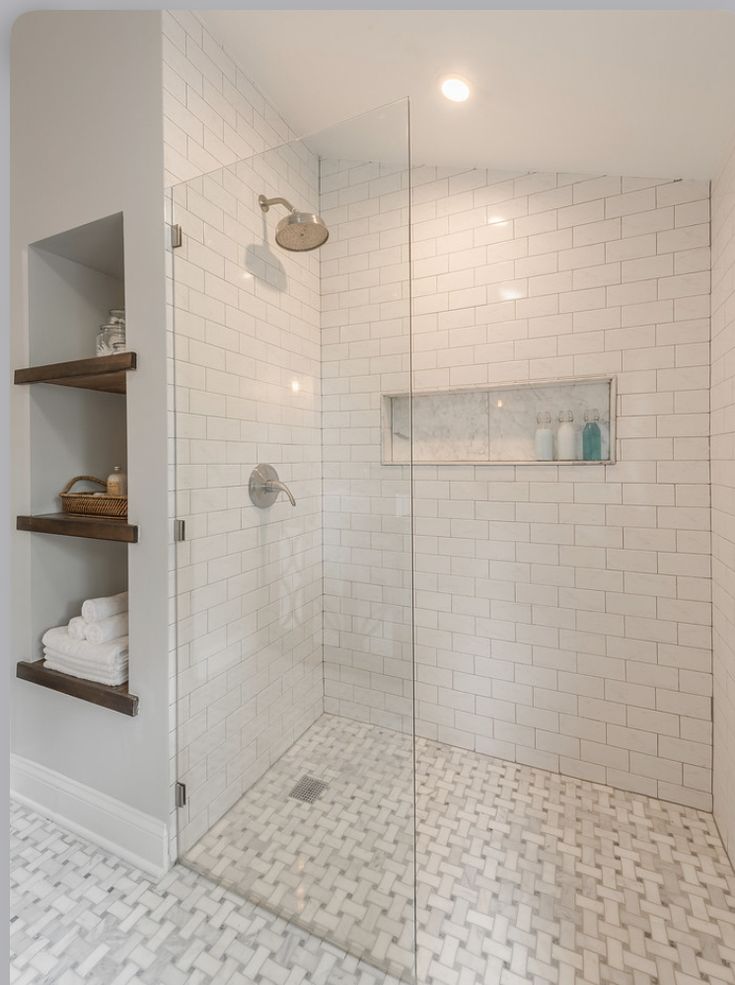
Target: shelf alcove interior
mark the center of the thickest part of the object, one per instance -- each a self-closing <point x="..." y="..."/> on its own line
<point x="78" y="426"/>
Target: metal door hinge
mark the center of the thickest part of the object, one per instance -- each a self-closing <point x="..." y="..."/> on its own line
<point x="177" y="236"/>
<point x="180" y="794"/>
<point x="179" y="530"/>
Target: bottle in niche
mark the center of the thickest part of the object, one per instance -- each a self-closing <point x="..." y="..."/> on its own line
<point x="117" y="482"/>
<point x="591" y="437"/>
<point x="544" y="441"/>
<point x="566" y="439"/>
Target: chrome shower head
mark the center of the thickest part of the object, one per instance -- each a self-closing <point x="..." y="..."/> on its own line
<point x="298" y="231"/>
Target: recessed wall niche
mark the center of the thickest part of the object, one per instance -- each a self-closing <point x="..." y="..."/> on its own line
<point x="498" y="425"/>
<point x="74" y="278"/>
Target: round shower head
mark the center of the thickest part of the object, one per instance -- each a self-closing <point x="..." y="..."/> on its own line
<point x="299" y="231"/>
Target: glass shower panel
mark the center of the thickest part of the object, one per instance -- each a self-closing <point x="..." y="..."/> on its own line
<point x="294" y="578"/>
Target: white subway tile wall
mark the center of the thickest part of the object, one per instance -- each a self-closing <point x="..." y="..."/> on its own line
<point x="562" y="613"/>
<point x="245" y="333"/>
<point x="723" y="496"/>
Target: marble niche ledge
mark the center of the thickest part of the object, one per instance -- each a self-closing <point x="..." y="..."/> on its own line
<point x="494" y="424"/>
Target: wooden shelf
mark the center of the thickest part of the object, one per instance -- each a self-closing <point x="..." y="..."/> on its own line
<point x="69" y="525"/>
<point x="115" y="698"/>
<point x="103" y="373"/>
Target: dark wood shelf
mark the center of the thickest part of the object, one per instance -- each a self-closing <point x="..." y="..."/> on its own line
<point x="103" y="373"/>
<point x="115" y="698"/>
<point x="70" y="525"/>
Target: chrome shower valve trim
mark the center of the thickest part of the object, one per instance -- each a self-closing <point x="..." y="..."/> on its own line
<point x="265" y="486"/>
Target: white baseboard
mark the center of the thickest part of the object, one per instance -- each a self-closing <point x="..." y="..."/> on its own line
<point x="120" y="829"/>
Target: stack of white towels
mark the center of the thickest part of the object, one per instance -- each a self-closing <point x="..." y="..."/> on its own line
<point x="93" y="646"/>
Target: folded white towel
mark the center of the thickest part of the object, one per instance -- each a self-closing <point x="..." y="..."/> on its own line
<point x="89" y="675"/>
<point x="77" y="628"/>
<point x="93" y="610"/>
<point x="115" y="661"/>
<point x="111" y="628"/>
<point x="83" y="665"/>
<point x="118" y="661"/>
<point x="114" y="677"/>
<point x="100" y="655"/>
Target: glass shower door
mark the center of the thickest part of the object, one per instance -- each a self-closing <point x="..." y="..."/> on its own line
<point x="294" y="666"/>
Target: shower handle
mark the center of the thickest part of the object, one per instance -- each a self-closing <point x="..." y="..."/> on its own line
<point x="264" y="487"/>
<point x="278" y="486"/>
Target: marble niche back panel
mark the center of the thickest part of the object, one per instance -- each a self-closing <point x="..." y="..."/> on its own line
<point x="494" y="425"/>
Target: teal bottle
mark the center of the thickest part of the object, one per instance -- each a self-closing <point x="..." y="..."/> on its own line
<point x="591" y="437"/>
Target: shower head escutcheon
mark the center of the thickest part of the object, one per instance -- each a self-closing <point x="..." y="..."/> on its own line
<point x="298" y="231"/>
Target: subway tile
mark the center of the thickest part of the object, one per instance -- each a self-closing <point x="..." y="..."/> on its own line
<point x="632" y="247"/>
<point x="683" y="238"/>
<point x="676" y="192"/>
<point x="642" y="200"/>
<point x="596" y="188"/>
<point x="596" y="232"/>
<point x="654" y="221"/>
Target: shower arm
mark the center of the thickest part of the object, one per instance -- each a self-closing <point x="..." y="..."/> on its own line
<point x="265" y="203"/>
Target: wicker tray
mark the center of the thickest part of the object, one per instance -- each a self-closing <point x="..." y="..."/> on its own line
<point x="91" y="503"/>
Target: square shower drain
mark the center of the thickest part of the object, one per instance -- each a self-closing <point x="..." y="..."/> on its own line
<point x="308" y="789"/>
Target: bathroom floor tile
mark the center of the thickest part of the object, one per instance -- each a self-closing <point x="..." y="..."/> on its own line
<point x="82" y="917"/>
<point x="524" y="876"/>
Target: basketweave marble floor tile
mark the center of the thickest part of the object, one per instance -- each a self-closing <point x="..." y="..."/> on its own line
<point x="522" y="875"/>
<point x="80" y="916"/>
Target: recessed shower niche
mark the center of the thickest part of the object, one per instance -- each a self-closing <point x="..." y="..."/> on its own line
<point x="512" y="424"/>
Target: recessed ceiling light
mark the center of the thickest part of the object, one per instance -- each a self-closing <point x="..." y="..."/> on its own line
<point x="456" y="89"/>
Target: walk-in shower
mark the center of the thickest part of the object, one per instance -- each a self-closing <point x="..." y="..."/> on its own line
<point x="442" y="682"/>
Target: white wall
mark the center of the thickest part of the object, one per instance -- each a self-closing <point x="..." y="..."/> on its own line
<point x="723" y="496"/>
<point x="563" y="614"/>
<point x="247" y="329"/>
<point x="87" y="143"/>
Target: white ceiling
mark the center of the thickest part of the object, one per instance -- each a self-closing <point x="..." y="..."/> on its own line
<point x="626" y="92"/>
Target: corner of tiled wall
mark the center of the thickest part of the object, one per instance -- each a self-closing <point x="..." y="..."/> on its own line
<point x="723" y="496"/>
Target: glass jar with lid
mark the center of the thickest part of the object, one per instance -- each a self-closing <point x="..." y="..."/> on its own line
<point x="117" y="337"/>
<point x="102" y="347"/>
<point x="111" y="337"/>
